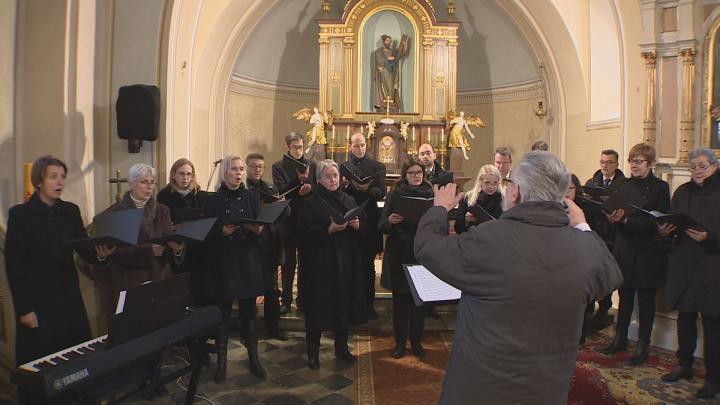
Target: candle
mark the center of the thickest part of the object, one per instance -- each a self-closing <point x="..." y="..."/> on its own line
<point x="429" y="137"/>
<point x="28" y="187"/>
<point x="333" y="135"/>
<point x="442" y="136"/>
<point x="362" y="128"/>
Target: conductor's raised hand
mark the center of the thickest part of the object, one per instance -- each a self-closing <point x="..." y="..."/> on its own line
<point x="575" y="213"/>
<point x="395" y="218"/>
<point x="445" y="196"/>
<point x="336" y="227"/>
<point x="354" y="223"/>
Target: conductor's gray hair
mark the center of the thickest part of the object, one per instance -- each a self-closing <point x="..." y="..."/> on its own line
<point x="541" y="176"/>
<point x="140" y="170"/>
<point x="324" y="164"/>
<point x="708" y="153"/>
<point x="224" y="167"/>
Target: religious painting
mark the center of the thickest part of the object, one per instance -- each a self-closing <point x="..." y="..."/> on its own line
<point x="387" y="150"/>
<point x="388" y="62"/>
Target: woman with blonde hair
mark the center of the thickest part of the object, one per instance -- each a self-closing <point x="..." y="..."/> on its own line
<point x="485" y="193"/>
<point x="182" y="195"/>
<point x="233" y="265"/>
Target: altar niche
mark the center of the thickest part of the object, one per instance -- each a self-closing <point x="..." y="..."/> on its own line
<point x="390" y="62"/>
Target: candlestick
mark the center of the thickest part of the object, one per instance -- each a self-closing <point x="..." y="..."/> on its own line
<point x="442" y="136"/>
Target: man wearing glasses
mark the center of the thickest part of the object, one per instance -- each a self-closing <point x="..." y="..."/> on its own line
<point x="285" y="181"/>
<point x="608" y="175"/>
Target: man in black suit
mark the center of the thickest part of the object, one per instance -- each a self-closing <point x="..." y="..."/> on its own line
<point x="284" y="180"/>
<point x="609" y="175"/>
<point x="363" y="166"/>
<point x="426" y="155"/>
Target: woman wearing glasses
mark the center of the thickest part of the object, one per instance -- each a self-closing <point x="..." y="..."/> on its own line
<point x="399" y="251"/>
<point x="640" y="254"/>
<point x="693" y="276"/>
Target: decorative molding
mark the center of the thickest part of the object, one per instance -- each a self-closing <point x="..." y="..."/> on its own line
<point x="273" y="91"/>
<point x="604" y="124"/>
<point x="530" y="90"/>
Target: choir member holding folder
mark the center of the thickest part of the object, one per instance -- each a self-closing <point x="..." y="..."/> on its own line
<point x="399" y="251"/>
<point x="334" y="283"/>
<point x="233" y="268"/>
<point x="294" y="175"/>
<point x="49" y="309"/>
<point x="147" y="261"/>
<point x="639" y="252"/>
<point x="483" y="198"/>
<point x="694" y="271"/>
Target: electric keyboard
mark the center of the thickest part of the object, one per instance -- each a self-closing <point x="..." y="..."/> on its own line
<point x="78" y="366"/>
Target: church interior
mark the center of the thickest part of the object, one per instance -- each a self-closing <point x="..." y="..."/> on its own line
<point x="237" y="76"/>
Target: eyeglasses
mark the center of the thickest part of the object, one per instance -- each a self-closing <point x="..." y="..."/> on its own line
<point x="414" y="173"/>
<point x="699" y="169"/>
<point x="147" y="183"/>
<point x="296" y="147"/>
<point x="607" y="162"/>
<point x="637" y="162"/>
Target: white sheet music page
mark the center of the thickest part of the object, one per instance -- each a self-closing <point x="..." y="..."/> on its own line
<point x="431" y="288"/>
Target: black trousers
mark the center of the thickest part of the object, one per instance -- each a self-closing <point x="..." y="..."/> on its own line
<point x="246" y="309"/>
<point x="288" y="270"/>
<point x="312" y="341"/>
<point x="646" y="304"/>
<point x="407" y="318"/>
<point x="369" y="266"/>
<point x="271" y="310"/>
<point x="687" y="341"/>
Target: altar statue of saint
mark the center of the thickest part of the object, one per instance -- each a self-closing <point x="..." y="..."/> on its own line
<point x="458" y="124"/>
<point x="386" y="77"/>
<point x="319" y="122"/>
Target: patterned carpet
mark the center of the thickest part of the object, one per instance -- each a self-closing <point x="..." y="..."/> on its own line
<point x="600" y="379"/>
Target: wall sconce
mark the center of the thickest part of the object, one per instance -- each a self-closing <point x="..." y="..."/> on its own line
<point x="540" y="110"/>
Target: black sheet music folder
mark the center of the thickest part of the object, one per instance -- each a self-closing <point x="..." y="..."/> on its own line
<point x="187" y="232"/>
<point x="116" y="228"/>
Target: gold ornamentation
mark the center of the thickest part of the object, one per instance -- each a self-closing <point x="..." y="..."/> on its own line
<point x="440" y="78"/>
<point x="428" y="43"/>
<point x="451" y="8"/>
<point x="325" y="7"/>
<point x="649" y="56"/>
<point x="335" y="76"/>
<point x="320" y="122"/>
<point x="323" y="41"/>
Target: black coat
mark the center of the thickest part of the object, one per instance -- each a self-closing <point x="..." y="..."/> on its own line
<point x="638" y="248"/>
<point x="597" y="219"/>
<point x="437" y="172"/>
<point x="284" y="181"/>
<point x="400" y="240"/>
<point x="183" y="208"/>
<point x="334" y="289"/>
<point x="372" y="240"/>
<point x="42" y="276"/>
<point x="490" y="203"/>
<point x="694" y="270"/>
<point x="233" y="266"/>
<point x="271" y="239"/>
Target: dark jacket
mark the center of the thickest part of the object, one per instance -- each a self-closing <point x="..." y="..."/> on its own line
<point x="694" y="270"/>
<point x="364" y="167"/>
<point x="597" y="219"/>
<point x="233" y="267"/>
<point x="284" y="181"/>
<point x="490" y="203"/>
<point x="271" y="238"/>
<point x="506" y="350"/>
<point x="638" y="248"/>
<point x="437" y="171"/>
<point x="400" y="240"/>
<point x="334" y="282"/>
<point x="42" y="276"/>
<point x="134" y="265"/>
<point x="183" y="208"/>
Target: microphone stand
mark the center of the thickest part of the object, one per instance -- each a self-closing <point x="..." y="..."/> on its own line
<point x="212" y="173"/>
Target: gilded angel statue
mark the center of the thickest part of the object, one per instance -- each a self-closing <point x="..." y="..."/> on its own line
<point x="404" y="129"/>
<point x="319" y="122"/>
<point x="457" y="125"/>
<point x="371" y="125"/>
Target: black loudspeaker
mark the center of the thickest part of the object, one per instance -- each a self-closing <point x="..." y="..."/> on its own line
<point x="138" y="112"/>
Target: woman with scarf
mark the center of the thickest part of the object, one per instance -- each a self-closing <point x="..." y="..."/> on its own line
<point x="640" y="254"/>
<point x="335" y="296"/>
<point x="399" y="251"/>
<point x="233" y="265"/>
<point x="484" y="194"/>
<point x="693" y="276"/>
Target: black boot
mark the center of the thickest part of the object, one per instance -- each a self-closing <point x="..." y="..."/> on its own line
<point x="341" y="349"/>
<point x="618" y="344"/>
<point x="708" y="390"/>
<point x="641" y="354"/>
<point x="251" y="342"/>
<point x="221" y="352"/>
<point x="312" y="343"/>
<point x="415" y="346"/>
<point x="678" y="373"/>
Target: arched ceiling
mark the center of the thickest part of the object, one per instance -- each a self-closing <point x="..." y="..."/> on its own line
<point x="283" y="47"/>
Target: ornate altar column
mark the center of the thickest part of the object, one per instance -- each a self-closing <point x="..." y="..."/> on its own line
<point x="427" y="113"/>
<point x="349" y="49"/>
<point x="687" y="119"/>
<point x="452" y="71"/>
<point x="649" y="122"/>
<point x="323" y="42"/>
